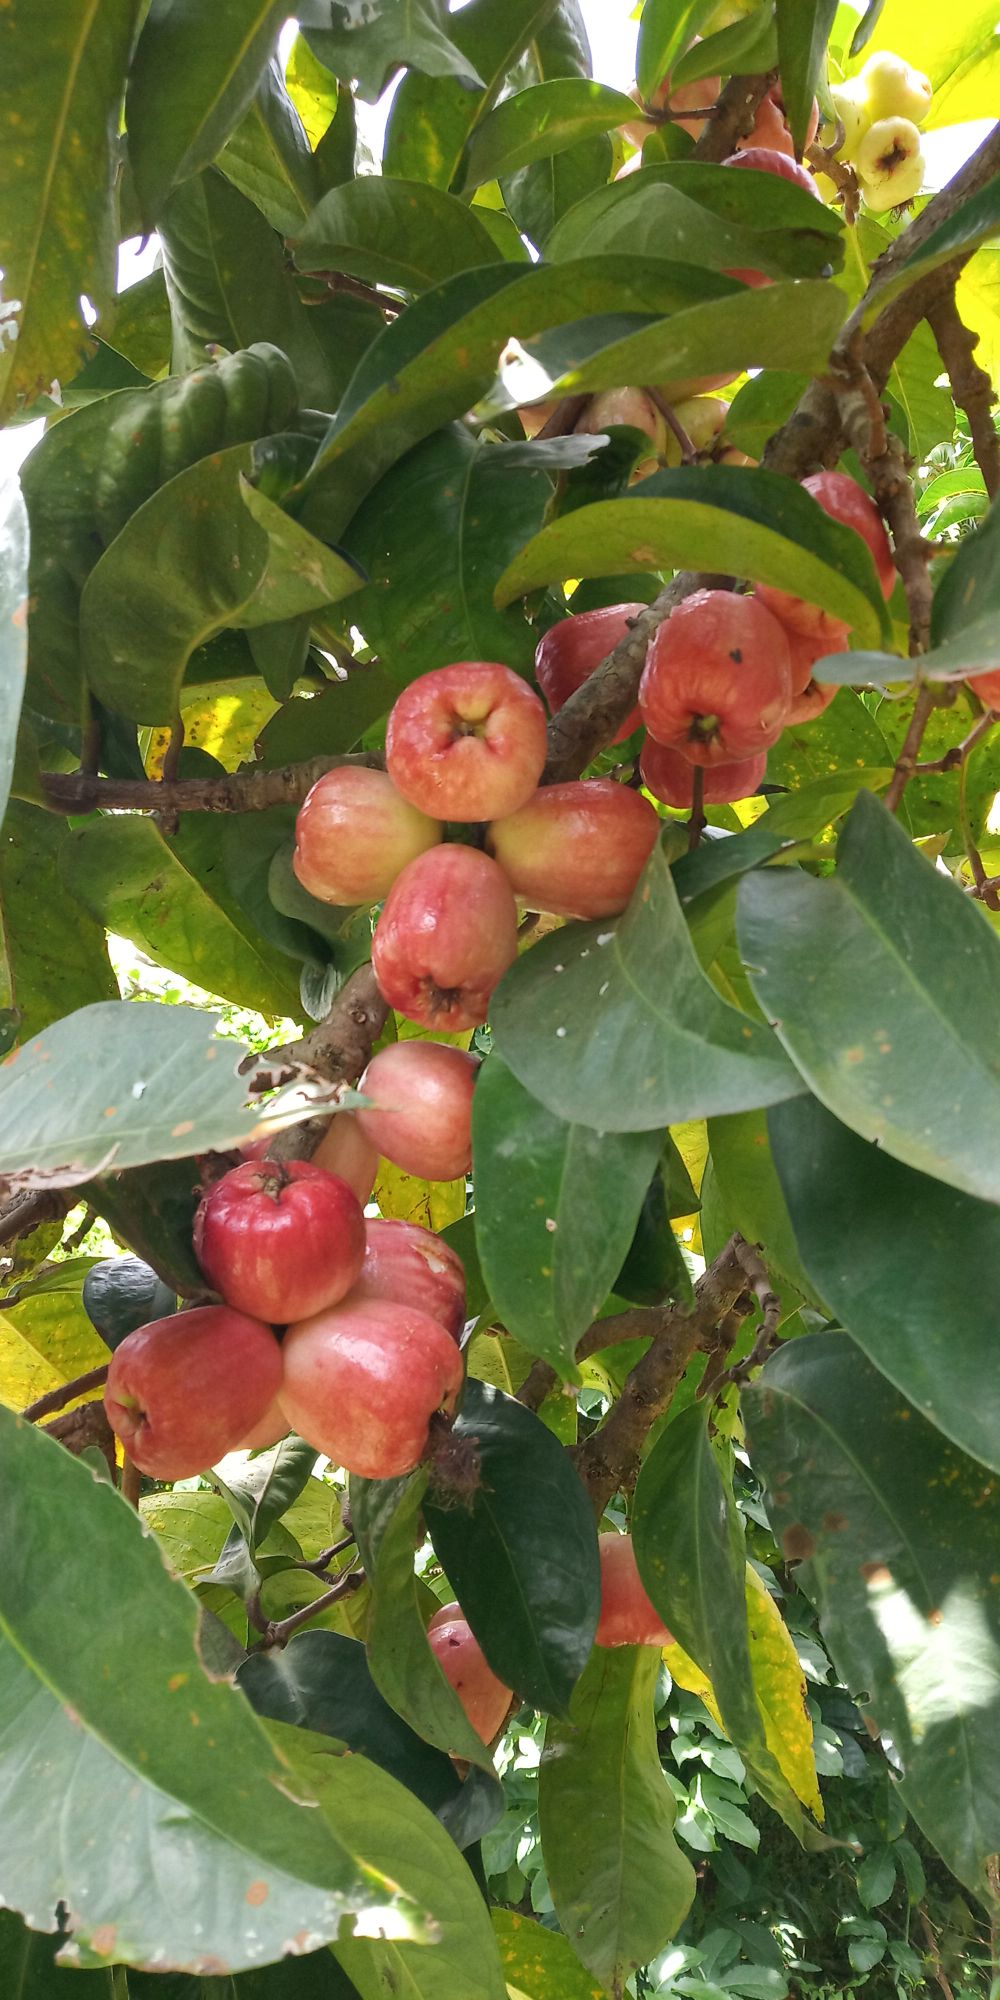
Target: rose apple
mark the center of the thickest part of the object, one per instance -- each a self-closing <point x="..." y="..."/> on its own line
<point x="354" y="833"/>
<point x="183" y="1391"/>
<point x="280" y="1240"/>
<point x="362" y="1383"/>
<point x="570" y="651"/>
<point x="670" y="777"/>
<point x="890" y="164"/>
<point x="344" y="1150"/>
<point x="272" y="1427"/>
<point x="844" y="500"/>
<point x="466" y="742"/>
<point x="446" y="936"/>
<point x="687" y="97"/>
<point x="832" y="638"/>
<point x="577" y="850"/>
<point x="894" y="89"/>
<point x="815" y="697"/>
<point x="463" y="1663"/>
<point x="413" y="1267"/>
<point x="627" y="1616"/>
<point x="421" y="1117"/>
<point x="717" y="680"/>
<point x="850" y="102"/>
<point x="632" y="407"/>
<point x="771" y="131"/>
<point x="987" y="687"/>
<point x="535" y="416"/>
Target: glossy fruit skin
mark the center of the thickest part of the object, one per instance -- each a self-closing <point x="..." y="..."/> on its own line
<point x="362" y="1382"/>
<point x="183" y="1391"/>
<point x="771" y="131"/>
<point x="354" y="833"/>
<point x="280" y="1241"/>
<point x="577" y="850"/>
<point x="670" y="777"/>
<point x="570" y="650"/>
<point x="844" y="500"/>
<point x="833" y="638"/>
<point x="890" y="164"/>
<point x="632" y="407"/>
<point x="627" y="1616"/>
<point x="446" y="936"/>
<point x="344" y="1150"/>
<point x="810" y="704"/>
<point x="269" y="1429"/>
<point x="466" y="742"/>
<point x="987" y="687"/>
<point x="850" y="103"/>
<point x="412" y="1267"/>
<point x="717" y="680"/>
<point x="421" y="1119"/>
<point x="464" y="1664"/>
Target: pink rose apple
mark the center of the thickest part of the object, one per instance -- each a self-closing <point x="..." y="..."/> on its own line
<point x="446" y="936"/>
<point x="467" y="742"/>
<point x="354" y="833"/>
<point x="280" y="1239"/>
<point x="577" y="850"/>
<point x="362" y="1383"/>
<point x="183" y="1391"/>
<point x="627" y="1616"/>
<point x="413" y="1267"/>
<point x="421" y="1117"/>
<point x="717" y="680"/>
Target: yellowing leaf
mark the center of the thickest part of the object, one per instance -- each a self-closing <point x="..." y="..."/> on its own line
<point x="403" y="1197"/>
<point x="780" y="1687"/>
<point x="24" y="1376"/>
<point x="691" y="1141"/>
<point x="225" y="720"/>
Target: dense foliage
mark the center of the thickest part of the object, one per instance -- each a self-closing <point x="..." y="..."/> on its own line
<point x="499" y="1200"/>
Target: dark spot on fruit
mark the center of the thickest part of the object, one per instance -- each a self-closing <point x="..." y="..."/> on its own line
<point x="736" y="655"/>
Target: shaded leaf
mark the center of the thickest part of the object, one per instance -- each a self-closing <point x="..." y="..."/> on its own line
<point x="393" y="232"/>
<point x="898" y="1532"/>
<point x="645" y="1040"/>
<point x="620" y="1883"/>
<point x="53" y="955"/>
<point x="58" y="233"/>
<point x="269" y="157"/>
<point x="368" y="39"/>
<point x="885" y="1246"/>
<point x="542" y="120"/>
<point x="122" y="1293"/>
<point x="753" y="1194"/>
<point x="194" y="73"/>
<point x="803" y="32"/>
<point x="879" y="980"/>
<point x="556" y="1209"/>
<point x="13" y="627"/>
<point x="266" y="1486"/>
<point x="152" y="1207"/>
<point x="521" y="1552"/>
<point x="539" y="1962"/>
<point x="28" y="1960"/>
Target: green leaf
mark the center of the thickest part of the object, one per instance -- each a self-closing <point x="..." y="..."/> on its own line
<point x="58" y="231"/>
<point x="521" y="1553"/>
<point x="876" y="1877"/>
<point x="545" y="119"/>
<point x="122" y="1293"/>
<point x="269" y="159"/>
<point x="883" y="1245"/>
<point x="195" y="73"/>
<point x="879" y="980"/>
<point x="620" y="1883"/>
<point x="53" y="955"/>
<point x="899" y="1534"/>
<point x="13" y="628"/>
<point x="539" y="1961"/>
<point x="152" y="1208"/>
<point x="539" y="195"/>
<point x="302" y="574"/>
<point x="115" y="1085"/>
<point x="666" y="29"/>
<point x="169" y="897"/>
<point x="369" y="39"/>
<point x="321" y="1681"/>
<point x="688" y="1539"/>
<point x="745" y="47"/>
<point x="330" y="723"/>
<point x="752" y="1192"/>
<point x="434" y="536"/>
<point x="386" y="1513"/>
<point x="393" y="232"/>
<point x="729" y="222"/>
<point x="439" y="357"/>
<point x="803" y="32"/>
<point x="28" y="1958"/>
<point x="645" y="1040"/>
<point x="556" y="1209"/>
<point x="229" y="284"/>
<point x="266" y="1486"/>
<point x="151" y="1751"/>
<point x="755" y="524"/>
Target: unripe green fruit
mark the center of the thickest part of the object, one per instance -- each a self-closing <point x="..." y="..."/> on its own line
<point x="890" y="164"/>
<point x="850" y="103"/>
<point x="894" y="89"/>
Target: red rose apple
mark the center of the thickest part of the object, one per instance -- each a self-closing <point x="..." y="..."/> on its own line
<point x="577" y="850"/>
<point x="570" y="651"/>
<point x="717" y="680"/>
<point x="771" y="131"/>
<point x="354" y="833"/>
<point x="271" y="1428"/>
<point x="344" y="1150"/>
<point x="627" y="1616"/>
<point x="844" y="500"/>
<point x="830" y="636"/>
<point x="183" y="1391"/>
<point x="362" y="1382"/>
<point x="987" y="687"/>
<point x="421" y="1117"/>
<point x="815" y="697"/>
<point x="446" y="936"/>
<point x="463" y="1663"/>
<point x="670" y="777"/>
<point x="467" y="742"/>
<point x="280" y="1240"/>
<point x="413" y="1267"/>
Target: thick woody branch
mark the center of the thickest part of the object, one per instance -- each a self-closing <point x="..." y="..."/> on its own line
<point x="57" y="1399"/>
<point x="337" y="1049"/>
<point x="541" y="1380"/>
<point x="25" y="1212"/>
<point x="252" y="790"/>
<point x="970" y="385"/>
<point x="734" y="116"/>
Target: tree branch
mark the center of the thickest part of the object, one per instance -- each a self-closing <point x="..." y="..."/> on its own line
<point x="253" y="790"/>
<point x="338" y="1048"/>
<point x="733" y="116"/>
<point x="25" y="1212"/>
<point x="57" y="1399"/>
<point x="970" y="385"/>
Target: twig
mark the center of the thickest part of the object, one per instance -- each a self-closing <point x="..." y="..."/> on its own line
<point x="669" y="414"/>
<point x="906" y="762"/>
<point x="983" y="885"/>
<point x="937" y="1969"/>
<point x="168" y="818"/>
<point x="82" y="1230"/>
<point x="278" y="1632"/>
<point x="824" y="160"/>
<point x="971" y="386"/>
<point x="959" y="751"/>
<point x="733" y="116"/>
<point x="57" y="1399"/>
<point x="563" y="418"/>
<point x="78" y="1429"/>
<point x="768" y="1336"/>
<point x="251" y="790"/>
<point x="324" y="1559"/>
<point x="25" y="1212"/>
<point x="541" y="1380"/>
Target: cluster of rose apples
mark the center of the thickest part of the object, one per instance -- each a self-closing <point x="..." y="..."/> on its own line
<point x="880" y="111"/>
